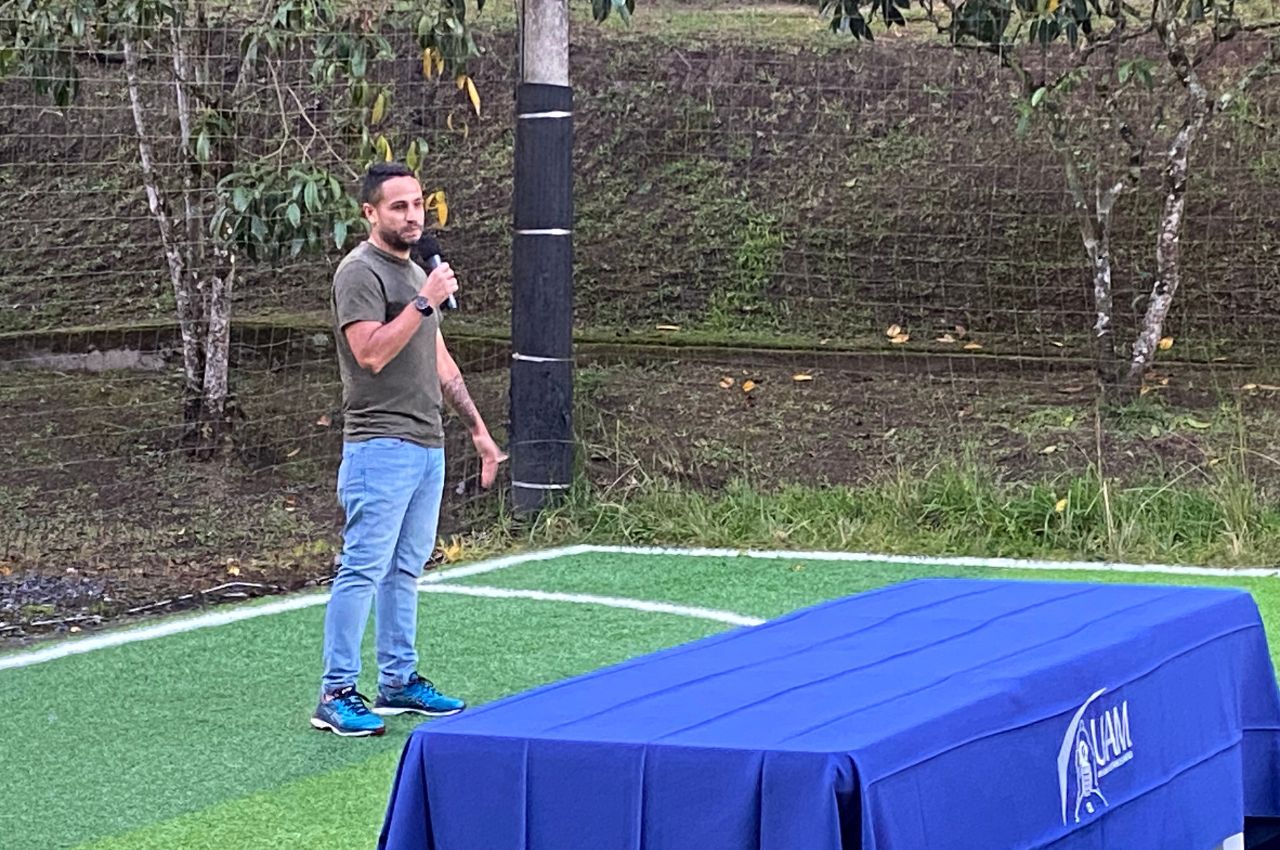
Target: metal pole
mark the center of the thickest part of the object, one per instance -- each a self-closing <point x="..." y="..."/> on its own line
<point x="542" y="261"/>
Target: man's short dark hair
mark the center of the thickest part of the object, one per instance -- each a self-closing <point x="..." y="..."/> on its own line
<point x="379" y="173"/>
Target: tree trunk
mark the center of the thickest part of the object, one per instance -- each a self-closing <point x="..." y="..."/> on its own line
<point x="1200" y="106"/>
<point x="1094" y="218"/>
<point x="202" y="291"/>
<point x="1104" y="347"/>
<point x="1168" y="251"/>
<point x="214" y="416"/>
<point x="192" y="359"/>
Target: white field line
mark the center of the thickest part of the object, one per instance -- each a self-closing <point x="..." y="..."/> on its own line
<point x="432" y="583"/>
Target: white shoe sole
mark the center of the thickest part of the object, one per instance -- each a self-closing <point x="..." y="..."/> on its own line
<point x="384" y="711"/>
<point x="317" y="723"/>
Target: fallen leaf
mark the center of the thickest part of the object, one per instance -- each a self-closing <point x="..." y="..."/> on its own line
<point x="1144" y="390"/>
<point x="1165" y="344"/>
<point x="324" y="421"/>
<point x="899" y="339"/>
<point x="748" y="386"/>
<point x="473" y="95"/>
<point x="1060" y="506"/>
<point x="892" y="330"/>
<point x="668" y="328"/>
<point x="726" y="382"/>
<point x="294" y="452"/>
<point x="1220" y="360"/>
<point x="946" y="338"/>
<point x="824" y="342"/>
<point x="1198" y="424"/>
<point x="1057" y="344"/>
<point x="1048" y="450"/>
<point x="973" y="346"/>
<point x="797" y="568"/>
<point x="889" y="433"/>
<point x="452" y="551"/>
<point x="233" y="570"/>
<point x="1248" y="387"/>
<point x="801" y="377"/>
<point x="440" y="203"/>
<point x="75" y="629"/>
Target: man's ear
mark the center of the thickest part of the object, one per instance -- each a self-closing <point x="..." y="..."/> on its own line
<point x="368" y="211"/>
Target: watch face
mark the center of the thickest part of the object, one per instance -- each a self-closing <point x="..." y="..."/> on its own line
<point x="423" y="305"/>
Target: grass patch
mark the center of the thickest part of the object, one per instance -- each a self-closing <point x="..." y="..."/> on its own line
<point x="955" y="509"/>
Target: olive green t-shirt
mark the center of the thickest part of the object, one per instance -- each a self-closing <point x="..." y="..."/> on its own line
<point x="403" y="400"/>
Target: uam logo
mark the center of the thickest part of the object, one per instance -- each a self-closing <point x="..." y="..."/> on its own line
<point x="1098" y="741"/>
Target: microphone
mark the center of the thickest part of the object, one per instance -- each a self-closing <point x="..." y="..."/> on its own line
<point x="427" y="252"/>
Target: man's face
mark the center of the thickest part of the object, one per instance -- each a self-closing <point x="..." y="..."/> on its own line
<point x="399" y="214"/>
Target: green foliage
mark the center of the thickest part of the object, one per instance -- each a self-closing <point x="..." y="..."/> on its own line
<point x="1034" y="22"/>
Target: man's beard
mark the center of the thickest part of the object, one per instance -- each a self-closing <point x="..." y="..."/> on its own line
<point x="394" y="240"/>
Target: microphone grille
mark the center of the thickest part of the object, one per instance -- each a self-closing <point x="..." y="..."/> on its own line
<point x="426" y="246"/>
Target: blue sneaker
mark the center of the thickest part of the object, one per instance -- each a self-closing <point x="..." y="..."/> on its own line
<point x="344" y="713"/>
<point x="417" y="697"/>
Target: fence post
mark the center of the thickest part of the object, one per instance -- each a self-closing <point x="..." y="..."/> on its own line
<point x="542" y="261"/>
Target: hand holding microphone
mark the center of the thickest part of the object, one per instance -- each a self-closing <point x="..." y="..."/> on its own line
<point x="441" y="281"/>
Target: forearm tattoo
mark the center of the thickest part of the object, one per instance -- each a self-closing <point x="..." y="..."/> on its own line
<point x="456" y="395"/>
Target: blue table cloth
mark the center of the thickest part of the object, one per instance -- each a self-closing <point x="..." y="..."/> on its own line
<point x="941" y="713"/>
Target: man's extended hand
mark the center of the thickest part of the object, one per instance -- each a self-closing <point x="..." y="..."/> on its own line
<point x="490" y="457"/>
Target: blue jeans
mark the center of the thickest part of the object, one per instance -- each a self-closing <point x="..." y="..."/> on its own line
<point x="390" y="490"/>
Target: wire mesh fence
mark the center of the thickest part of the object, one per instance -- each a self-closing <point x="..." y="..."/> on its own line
<point x="798" y="261"/>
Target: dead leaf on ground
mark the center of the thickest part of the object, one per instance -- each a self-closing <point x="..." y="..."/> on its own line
<point x="452" y="551"/>
<point x="801" y="377"/>
<point x="899" y="339"/>
<point x="748" y="386"/>
<point x="973" y="346"/>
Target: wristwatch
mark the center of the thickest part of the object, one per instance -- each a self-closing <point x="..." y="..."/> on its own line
<point x="423" y="306"/>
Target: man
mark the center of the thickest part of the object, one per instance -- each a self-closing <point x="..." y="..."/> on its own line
<point x="396" y="371"/>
